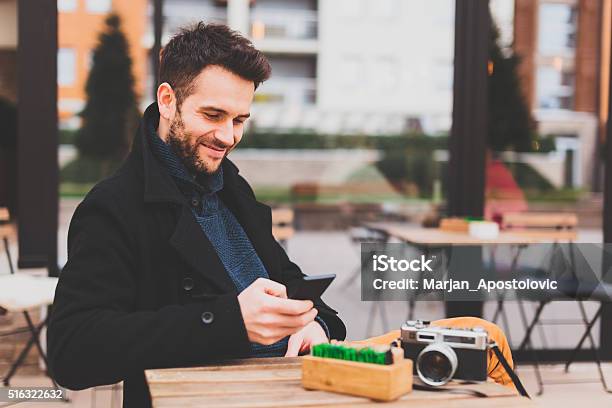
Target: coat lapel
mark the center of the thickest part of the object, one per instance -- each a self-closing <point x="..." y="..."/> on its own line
<point x="195" y="248"/>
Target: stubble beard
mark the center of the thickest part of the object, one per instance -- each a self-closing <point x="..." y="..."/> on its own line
<point x="179" y="141"/>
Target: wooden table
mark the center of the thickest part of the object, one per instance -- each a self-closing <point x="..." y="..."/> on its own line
<point x="428" y="239"/>
<point x="276" y="382"/>
<point x="435" y="237"/>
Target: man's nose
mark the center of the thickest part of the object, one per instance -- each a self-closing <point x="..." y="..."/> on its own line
<point x="225" y="133"/>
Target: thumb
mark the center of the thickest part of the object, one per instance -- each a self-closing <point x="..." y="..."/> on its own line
<point x="274" y="288"/>
<point x="294" y="345"/>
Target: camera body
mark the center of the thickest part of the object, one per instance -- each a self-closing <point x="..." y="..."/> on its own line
<point x="442" y="353"/>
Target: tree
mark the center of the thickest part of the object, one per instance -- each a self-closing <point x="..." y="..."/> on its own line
<point x="110" y="114"/>
<point x="511" y="125"/>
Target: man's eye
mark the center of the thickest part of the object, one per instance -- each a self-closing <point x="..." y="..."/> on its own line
<point x="212" y="116"/>
<point x="238" y="121"/>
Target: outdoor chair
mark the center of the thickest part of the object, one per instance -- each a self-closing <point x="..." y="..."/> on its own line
<point x="20" y="293"/>
<point x="573" y="286"/>
<point x="579" y="290"/>
<point x="282" y="225"/>
<point x="361" y="235"/>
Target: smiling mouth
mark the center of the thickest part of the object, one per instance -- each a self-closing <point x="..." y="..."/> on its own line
<point x="214" y="148"/>
<point x="214" y="151"/>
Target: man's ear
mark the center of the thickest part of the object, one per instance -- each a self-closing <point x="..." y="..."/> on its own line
<point x="166" y="101"/>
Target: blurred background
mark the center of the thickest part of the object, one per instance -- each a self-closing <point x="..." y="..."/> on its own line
<point x="403" y="111"/>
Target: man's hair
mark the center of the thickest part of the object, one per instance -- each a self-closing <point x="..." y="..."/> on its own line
<point x="202" y="45"/>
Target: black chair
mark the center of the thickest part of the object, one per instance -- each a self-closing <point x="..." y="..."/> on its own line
<point x="571" y="287"/>
<point x="362" y="235"/>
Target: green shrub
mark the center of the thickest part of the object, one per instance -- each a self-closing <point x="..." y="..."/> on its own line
<point x="410" y="167"/>
<point x="87" y="170"/>
<point x="67" y="136"/>
<point x="407" y="159"/>
<point x="309" y="140"/>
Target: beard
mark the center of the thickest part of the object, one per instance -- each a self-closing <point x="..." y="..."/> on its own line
<point x="186" y="146"/>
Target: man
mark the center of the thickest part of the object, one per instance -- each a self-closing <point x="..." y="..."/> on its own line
<point x="171" y="261"/>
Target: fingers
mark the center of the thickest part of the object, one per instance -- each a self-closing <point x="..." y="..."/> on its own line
<point x="288" y="306"/>
<point x="269" y="316"/>
<point x="268" y="335"/>
<point x="273" y="288"/>
<point x="289" y="321"/>
<point x="294" y="345"/>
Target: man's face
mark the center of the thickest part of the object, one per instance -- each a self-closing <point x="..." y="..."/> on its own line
<point x="210" y="121"/>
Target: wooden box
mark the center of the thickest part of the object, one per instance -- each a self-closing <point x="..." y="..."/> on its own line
<point x="375" y="381"/>
<point x="454" y="224"/>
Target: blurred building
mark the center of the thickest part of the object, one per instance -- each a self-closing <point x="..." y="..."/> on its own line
<point x="370" y="66"/>
<point x="79" y="25"/>
<point x="340" y="66"/>
<point x="8" y="49"/>
<point x="347" y="66"/>
<point x="565" y="51"/>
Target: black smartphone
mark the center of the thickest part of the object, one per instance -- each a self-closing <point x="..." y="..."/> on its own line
<point x="309" y="287"/>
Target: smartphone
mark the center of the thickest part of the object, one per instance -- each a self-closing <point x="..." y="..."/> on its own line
<point x="309" y="287"/>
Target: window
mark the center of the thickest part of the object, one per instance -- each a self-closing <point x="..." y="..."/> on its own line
<point x="66" y="66"/>
<point x="555" y="87"/>
<point x="98" y="6"/>
<point x="557" y="29"/>
<point x="66" y="6"/>
<point x="558" y="23"/>
<point x="89" y="59"/>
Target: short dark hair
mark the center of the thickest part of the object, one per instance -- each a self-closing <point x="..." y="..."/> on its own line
<point x="201" y="45"/>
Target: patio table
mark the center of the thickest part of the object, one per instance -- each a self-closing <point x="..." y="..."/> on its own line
<point x="276" y="382"/>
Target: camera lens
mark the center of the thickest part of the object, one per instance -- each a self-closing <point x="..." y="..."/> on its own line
<point x="436" y="364"/>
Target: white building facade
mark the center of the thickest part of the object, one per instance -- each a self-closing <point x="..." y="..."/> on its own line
<point x="343" y="66"/>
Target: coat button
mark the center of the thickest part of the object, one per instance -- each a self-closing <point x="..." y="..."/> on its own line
<point x="208" y="317"/>
<point x="187" y="284"/>
<point x="195" y="202"/>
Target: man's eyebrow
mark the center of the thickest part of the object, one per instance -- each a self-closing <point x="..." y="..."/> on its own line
<point x="219" y="110"/>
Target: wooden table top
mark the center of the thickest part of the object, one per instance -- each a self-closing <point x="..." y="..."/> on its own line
<point x="276" y="382"/>
<point x="437" y="237"/>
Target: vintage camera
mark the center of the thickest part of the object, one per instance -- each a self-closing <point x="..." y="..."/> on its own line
<point x="440" y="353"/>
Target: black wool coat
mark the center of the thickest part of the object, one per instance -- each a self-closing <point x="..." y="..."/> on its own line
<point x="143" y="286"/>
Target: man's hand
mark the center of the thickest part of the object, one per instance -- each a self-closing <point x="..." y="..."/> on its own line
<point x="306" y="338"/>
<point x="269" y="316"/>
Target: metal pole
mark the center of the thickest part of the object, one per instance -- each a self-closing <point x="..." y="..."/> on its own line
<point x="467" y="144"/>
<point x="37" y="141"/>
<point x="606" y="315"/>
